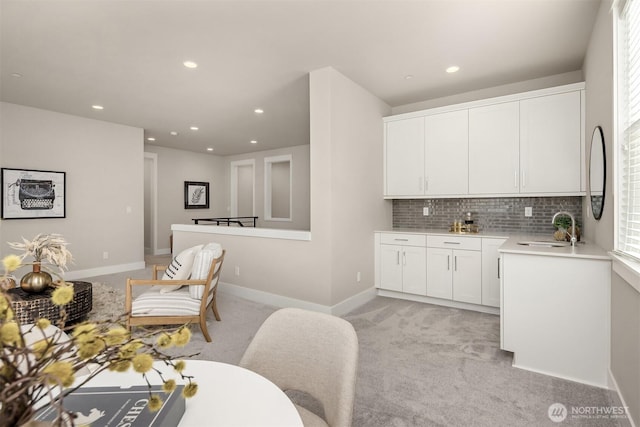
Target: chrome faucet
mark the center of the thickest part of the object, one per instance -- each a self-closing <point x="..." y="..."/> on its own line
<point x="573" y="225"/>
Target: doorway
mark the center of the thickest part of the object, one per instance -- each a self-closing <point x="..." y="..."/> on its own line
<point x="243" y="188"/>
<point x="150" y="203"/>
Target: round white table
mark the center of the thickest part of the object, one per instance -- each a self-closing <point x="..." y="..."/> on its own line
<point x="228" y="395"/>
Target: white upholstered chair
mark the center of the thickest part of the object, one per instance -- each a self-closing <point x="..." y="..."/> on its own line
<point x="311" y="352"/>
<point x="181" y="300"/>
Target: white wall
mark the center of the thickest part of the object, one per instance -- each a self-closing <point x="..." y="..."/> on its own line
<point x="356" y="181"/>
<point x="625" y="300"/>
<point x="346" y="205"/>
<point x="300" y="161"/>
<point x="174" y="168"/>
<point x="525" y="86"/>
<point x="104" y="179"/>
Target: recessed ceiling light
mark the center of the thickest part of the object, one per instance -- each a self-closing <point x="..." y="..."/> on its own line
<point x="408" y="77"/>
<point x="173" y="133"/>
<point x="97" y="107"/>
<point x="151" y="138"/>
<point x="453" y="69"/>
<point x="194" y="128"/>
<point x="253" y="141"/>
<point x="190" y="64"/>
<point x="258" y="111"/>
<point x="16" y="75"/>
<point x="209" y="149"/>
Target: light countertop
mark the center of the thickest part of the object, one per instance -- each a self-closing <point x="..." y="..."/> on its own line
<point x="443" y="232"/>
<point x="583" y="249"/>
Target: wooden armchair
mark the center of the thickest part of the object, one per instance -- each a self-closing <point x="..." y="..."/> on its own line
<point x="188" y="304"/>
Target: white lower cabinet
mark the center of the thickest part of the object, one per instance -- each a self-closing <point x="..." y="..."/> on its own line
<point x="403" y="266"/>
<point x="439" y="275"/>
<point x="555" y="315"/>
<point x="491" y="271"/>
<point x="446" y="269"/>
<point x="454" y="274"/>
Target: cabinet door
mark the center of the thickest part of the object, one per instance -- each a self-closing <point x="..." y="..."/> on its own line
<point x="467" y="276"/>
<point x="446" y="151"/>
<point x="439" y="273"/>
<point x="550" y="138"/>
<point x="391" y="267"/>
<point x="494" y="142"/>
<point x="491" y="272"/>
<point x="414" y="273"/>
<point x="404" y="157"/>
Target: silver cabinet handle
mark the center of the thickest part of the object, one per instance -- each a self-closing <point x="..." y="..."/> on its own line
<point x="515" y="178"/>
<point x="498" y="268"/>
<point x="455" y="263"/>
<point x="397" y="257"/>
<point x="448" y="262"/>
<point x="426" y="185"/>
<point x="524" y="180"/>
<point x="401" y="240"/>
<point x="404" y="258"/>
<point x="451" y="243"/>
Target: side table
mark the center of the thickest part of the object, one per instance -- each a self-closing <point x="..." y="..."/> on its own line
<point x="29" y="307"/>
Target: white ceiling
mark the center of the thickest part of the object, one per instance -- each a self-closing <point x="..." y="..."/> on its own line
<point x="127" y="56"/>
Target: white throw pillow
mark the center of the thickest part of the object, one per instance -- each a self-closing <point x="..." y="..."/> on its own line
<point x="180" y="268"/>
<point x="201" y="265"/>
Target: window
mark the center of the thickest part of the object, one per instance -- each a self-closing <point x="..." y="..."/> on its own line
<point x="628" y="128"/>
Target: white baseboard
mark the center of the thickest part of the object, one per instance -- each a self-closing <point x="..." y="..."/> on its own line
<point x="614" y="387"/>
<point x="101" y="271"/>
<point x="438" y="301"/>
<point x="282" y="301"/>
<point x="353" y="302"/>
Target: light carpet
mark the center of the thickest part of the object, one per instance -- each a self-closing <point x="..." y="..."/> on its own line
<point x="420" y="365"/>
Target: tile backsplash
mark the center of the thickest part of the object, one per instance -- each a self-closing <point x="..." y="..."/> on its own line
<point x="491" y="214"/>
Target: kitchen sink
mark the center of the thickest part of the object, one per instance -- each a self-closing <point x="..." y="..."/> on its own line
<point x="545" y="243"/>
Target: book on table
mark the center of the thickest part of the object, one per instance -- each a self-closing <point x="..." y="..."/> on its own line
<point x="119" y="406"/>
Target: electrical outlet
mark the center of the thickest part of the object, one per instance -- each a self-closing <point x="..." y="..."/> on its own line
<point x="105" y="255"/>
<point x="425" y="211"/>
<point x="358" y="277"/>
<point x="528" y="211"/>
<point x="237" y="270"/>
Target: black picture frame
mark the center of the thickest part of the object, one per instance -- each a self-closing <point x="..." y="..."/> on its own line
<point x="196" y="195"/>
<point x="32" y="194"/>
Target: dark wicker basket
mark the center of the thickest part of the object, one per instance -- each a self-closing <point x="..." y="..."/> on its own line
<point x="29" y="307"/>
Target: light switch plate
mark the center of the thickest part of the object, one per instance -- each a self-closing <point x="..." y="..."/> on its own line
<point x="528" y="211"/>
<point x="425" y="211"/>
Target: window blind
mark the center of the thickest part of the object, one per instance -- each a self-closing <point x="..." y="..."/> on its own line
<point x="628" y="202"/>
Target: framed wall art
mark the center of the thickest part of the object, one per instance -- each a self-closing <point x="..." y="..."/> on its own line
<point x="28" y="194"/>
<point x="196" y="195"/>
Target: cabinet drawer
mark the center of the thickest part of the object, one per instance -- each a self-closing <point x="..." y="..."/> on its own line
<point x="455" y="242"/>
<point x="403" y="239"/>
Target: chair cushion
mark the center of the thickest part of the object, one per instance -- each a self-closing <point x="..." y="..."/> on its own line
<point x="309" y="419"/>
<point x="201" y="264"/>
<point x="155" y="303"/>
<point x="180" y="268"/>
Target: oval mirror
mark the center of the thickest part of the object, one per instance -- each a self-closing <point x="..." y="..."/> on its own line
<point x="597" y="172"/>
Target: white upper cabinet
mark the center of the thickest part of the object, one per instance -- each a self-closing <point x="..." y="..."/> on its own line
<point x="550" y="144"/>
<point x="446" y="147"/>
<point x="494" y="151"/>
<point x="523" y="144"/>
<point x="404" y="157"/>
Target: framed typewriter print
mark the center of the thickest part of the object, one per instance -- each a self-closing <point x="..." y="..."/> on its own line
<point x="196" y="195"/>
<point x="28" y="194"/>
